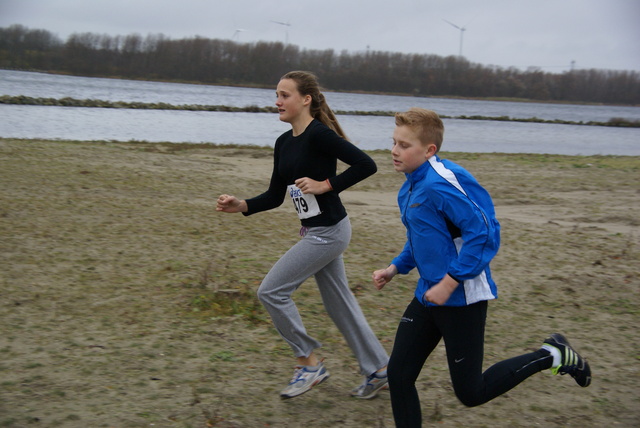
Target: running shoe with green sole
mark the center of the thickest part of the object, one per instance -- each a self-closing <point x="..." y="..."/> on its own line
<point x="571" y="362"/>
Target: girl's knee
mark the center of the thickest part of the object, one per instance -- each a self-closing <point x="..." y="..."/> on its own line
<point x="264" y="294"/>
<point x="270" y="295"/>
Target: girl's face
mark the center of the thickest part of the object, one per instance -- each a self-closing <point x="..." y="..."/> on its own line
<point x="291" y="104"/>
<point x="408" y="152"/>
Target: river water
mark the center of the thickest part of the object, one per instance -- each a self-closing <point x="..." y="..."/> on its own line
<point x="368" y="132"/>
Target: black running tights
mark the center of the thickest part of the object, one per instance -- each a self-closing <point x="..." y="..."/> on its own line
<point x="462" y="329"/>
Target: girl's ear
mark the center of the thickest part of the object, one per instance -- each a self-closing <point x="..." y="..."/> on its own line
<point x="307" y="100"/>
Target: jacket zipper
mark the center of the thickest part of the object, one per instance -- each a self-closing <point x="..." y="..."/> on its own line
<point x="410" y="234"/>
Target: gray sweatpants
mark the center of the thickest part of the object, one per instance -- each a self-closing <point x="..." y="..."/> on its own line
<point x="319" y="254"/>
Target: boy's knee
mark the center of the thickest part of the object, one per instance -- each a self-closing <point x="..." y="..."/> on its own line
<point x="393" y="371"/>
<point x="469" y="398"/>
<point x="398" y="376"/>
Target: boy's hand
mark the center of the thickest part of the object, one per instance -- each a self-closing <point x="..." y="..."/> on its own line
<point x="440" y="293"/>
<point x="382" y="276"/>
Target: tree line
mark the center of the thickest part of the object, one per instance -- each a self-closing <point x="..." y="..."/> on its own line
<point x="225" y="62"/>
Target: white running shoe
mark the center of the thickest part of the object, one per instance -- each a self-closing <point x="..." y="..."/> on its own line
<point x="371" y="386"/>
<point x="304" y="378"/>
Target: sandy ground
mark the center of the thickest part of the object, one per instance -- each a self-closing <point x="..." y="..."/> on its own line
<point x="127" y="301"/>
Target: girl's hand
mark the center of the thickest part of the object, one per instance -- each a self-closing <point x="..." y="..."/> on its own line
<point x="230" y="204"/>
<point x="382" y="276"/>
<point x="308" y="185"/>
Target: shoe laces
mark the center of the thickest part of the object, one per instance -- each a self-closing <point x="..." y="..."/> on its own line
<point x="297" y="373"/>
<point x="372" y="379"/>
<point x="573" y="370"/>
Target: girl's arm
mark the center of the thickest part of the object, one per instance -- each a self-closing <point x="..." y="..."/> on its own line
<point x="275" y="194"/>
<point x="360" y="164"/>
<point x="230" y="204"/>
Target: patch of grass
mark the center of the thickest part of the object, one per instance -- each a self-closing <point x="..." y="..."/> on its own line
<point x="33" y="365"/>
<point x="227" y="303"/>
<point x="223" y="356"/>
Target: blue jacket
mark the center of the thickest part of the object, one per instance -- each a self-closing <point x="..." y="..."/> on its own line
<point x="451" y="228"/>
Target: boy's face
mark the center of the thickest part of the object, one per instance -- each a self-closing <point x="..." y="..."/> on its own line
<point x="408" y="152"/>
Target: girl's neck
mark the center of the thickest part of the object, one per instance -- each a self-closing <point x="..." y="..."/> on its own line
<point x="300" y="124"/>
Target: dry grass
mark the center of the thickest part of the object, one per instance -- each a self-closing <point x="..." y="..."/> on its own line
<point x="127" y="301"/>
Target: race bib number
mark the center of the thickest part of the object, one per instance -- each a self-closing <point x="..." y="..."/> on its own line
<point x="306" y="205"/>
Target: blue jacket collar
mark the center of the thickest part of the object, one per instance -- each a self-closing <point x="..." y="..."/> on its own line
<point x="420" y="172"/>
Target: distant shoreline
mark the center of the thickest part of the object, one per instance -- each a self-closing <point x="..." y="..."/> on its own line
<point x="93" y="103"/>
<point x="396" y="94"/>
<point x="170" y="147"/>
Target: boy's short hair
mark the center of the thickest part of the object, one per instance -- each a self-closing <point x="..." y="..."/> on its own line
<point x="425" y="123"/>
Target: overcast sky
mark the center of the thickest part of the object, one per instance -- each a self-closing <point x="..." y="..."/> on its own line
<point x="549" y="34"/>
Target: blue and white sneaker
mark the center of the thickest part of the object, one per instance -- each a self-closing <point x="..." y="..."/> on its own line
<point x="371" y="386"/>
<point x="304" y="378"/>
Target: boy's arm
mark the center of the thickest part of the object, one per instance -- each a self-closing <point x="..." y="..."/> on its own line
<point x="480" y="236"/>
<point x="382" y="277"/>
<point x="405" y="261"/>
<point x="440" y="293"/>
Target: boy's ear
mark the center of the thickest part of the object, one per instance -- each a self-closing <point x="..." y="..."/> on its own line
<point x="431" y="150"/>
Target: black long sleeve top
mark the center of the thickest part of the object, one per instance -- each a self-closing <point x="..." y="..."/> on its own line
<point x="314" y="154"/>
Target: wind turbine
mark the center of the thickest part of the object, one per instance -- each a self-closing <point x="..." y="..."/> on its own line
<point x="462" y="30"/>
<point x="236" y="35"/>
<point x="286" y="32"/>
